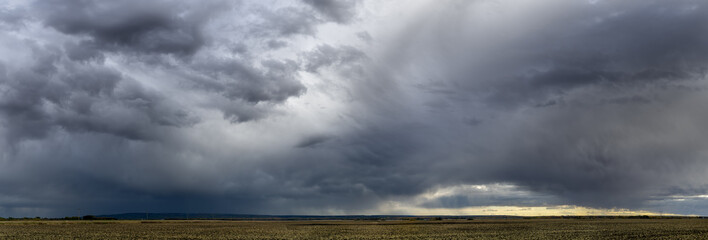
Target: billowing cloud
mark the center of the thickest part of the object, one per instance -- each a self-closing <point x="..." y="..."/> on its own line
<point x="337" y="107"/>
<point x="157" y="26"/>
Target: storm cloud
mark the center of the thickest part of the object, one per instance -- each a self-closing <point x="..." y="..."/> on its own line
<point x="345" y="107"/>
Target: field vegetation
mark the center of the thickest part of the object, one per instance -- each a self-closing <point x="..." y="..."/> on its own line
<point x="693" y="228"/>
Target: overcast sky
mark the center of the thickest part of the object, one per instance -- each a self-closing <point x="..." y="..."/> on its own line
<point x="353" y="107"/>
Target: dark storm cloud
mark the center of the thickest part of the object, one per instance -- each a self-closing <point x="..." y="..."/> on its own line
<point x="55" y="93"/>
<point x="144" y="31"/>
<point x="247" y="108"/>
<point x="98" y="98"/>
<point x="245" y="85"/>
<point x="155" y="26"/>
<point x="277" y="82"/>
<point x="607" y="53"/>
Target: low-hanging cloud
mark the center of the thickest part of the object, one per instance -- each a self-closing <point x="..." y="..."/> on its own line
<point x="591" y="104"/>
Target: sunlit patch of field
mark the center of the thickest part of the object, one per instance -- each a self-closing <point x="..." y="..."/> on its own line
<point x="350" y="229"/>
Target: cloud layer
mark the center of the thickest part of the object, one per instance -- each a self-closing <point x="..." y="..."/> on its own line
<point x="319" y="107"/>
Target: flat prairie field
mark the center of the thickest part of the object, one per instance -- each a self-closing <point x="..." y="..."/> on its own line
<point x="351" y="229"/>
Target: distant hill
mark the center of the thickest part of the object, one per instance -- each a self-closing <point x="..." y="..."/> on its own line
<point x="221" y="216"/>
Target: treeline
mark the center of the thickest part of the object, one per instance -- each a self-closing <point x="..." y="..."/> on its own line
<point x="87" y="217"/>
<point x="22" y="219"/>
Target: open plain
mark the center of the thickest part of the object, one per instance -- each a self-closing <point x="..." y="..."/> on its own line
<point x="350" y="229"/>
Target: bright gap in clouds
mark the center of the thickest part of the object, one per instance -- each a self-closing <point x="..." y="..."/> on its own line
<point x="494" y="199"/>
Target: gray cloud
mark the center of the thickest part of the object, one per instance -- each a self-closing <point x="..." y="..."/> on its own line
<point x="289" y="21"/>
<point x="275" y="44"/>
<point x="326" y="55"/>
<point x="365" y="36"/>
<point x="248" y="108"/>
<point x="12" y="18"/>
<point x="338" y="11"/>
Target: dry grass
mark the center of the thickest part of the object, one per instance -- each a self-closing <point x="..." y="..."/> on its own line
<point x="459" y="229"/>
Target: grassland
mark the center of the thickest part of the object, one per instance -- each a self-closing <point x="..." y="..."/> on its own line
<point x="348" y="229"/>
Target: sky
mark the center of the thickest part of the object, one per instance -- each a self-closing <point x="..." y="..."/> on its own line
<point x="319" y="107"/>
